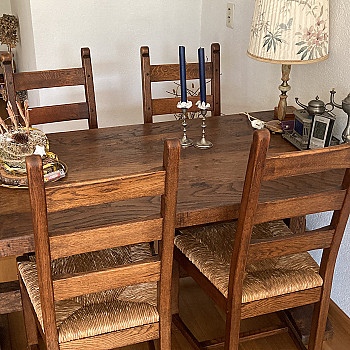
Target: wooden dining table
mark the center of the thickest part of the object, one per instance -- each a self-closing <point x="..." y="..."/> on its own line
<point x="210" y="181"/>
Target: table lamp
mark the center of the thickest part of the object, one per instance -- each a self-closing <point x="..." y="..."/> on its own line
<point x="289" y="32"/>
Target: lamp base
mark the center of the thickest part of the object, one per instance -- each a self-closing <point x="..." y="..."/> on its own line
<point x="289" y="113"/>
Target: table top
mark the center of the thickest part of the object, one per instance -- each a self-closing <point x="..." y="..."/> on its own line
<point x="210" y="182"/>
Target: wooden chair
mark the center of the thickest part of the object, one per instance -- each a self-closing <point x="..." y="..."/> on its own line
<point x="169" y="72"/>
<point x="54" y="78"/>
<point x="97" y="288"/>
<point x="256" y="265"/>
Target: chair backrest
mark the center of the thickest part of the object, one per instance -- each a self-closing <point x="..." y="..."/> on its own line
<point x="263" y="168"/>
<point x="54" y="78"/>
<point x="61" y="197"/>
<point x="171" y="72"/>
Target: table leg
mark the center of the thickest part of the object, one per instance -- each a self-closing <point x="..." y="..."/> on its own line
<point x="301" y="317"/>
<point x="5" y="341"/>
<point x="297" y="224"/>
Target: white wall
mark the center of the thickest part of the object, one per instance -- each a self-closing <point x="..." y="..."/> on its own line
<point x="52" y="33"/>
<point x="25" y="49"/>
<point x="5" y="7"/>
<point x="247" y="85"/>
<point x="114" y="31"/>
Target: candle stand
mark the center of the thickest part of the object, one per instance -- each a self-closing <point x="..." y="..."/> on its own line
<point x="203" y="143"/>
<point x="185" y="141"/>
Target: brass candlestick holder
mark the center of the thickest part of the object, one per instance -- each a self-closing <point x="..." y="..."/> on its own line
<point x="185" y="141"/>
<point x="203" y="143"/>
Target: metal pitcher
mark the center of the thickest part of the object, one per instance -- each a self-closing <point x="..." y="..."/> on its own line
<point x="314" y="107"/>
<point x="345" y="106"/>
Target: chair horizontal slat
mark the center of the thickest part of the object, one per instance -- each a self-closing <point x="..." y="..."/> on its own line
<point x="49" y="79"/>
<point x="207" y="215"/>
<point x="59" y="113"/>
<point x="61" y="197"/>
<point x="70" y="286"/>
<point x="279" y="246"/>
<point x="281" y="302"/>
<point x="106" y="237"/>
<point x="169" y="105"/>
<point x="168" y="72"/>
<point x="299" y="206"/>
<point x="307" y="162"/>
<point x="245" y="336"/>
<point x="116" y="339"/>
<point x="262" y="333"/>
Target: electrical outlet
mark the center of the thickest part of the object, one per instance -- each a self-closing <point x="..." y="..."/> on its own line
<point x="229" y="15"/>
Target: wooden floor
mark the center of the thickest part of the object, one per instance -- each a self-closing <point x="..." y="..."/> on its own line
<point x="207" y="322"/>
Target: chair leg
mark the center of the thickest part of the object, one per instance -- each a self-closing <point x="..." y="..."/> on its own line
<point x="165" y="333"/>
<point x="180" y="325"/>
<point x="29" y="318"/>
<point x="318" y="325"/>
<point x="233" y="323"/>
<point x="175" y="288"/>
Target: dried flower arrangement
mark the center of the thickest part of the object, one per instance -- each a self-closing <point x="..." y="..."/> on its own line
<point x="8" y="36"/>
<point x="19" y="140"/>
<point x="8" y="31"/>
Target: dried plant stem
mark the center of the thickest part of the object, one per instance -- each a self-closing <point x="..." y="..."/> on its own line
<point x="3" y="126"/>
<point x="26" y="115"/>
<point x="12" y="115"/>
<point x="20" y="110"/>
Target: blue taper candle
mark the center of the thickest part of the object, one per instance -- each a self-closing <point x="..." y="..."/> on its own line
<point x="202" y="74"/>
<point x="182" y="73"/>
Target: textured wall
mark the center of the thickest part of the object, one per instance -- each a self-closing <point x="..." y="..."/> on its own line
<point x="114" y="31"/>
<point x="247" y="85"/>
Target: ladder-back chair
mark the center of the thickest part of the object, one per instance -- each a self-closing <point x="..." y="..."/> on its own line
<point x="171" y="72"/>
<point x="256" y="265"/>
<point x="100" y="288"/>
<point x="15" y="82"/>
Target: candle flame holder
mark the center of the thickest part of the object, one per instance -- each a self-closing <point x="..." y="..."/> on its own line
<point x="203" y="143"/>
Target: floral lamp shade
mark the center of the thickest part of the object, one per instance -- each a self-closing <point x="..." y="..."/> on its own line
<point x="290" y="31"/>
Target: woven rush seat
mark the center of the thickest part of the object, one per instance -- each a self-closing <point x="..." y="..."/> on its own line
<point x="209" y="248"/>
<point x="102" y="312"/>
